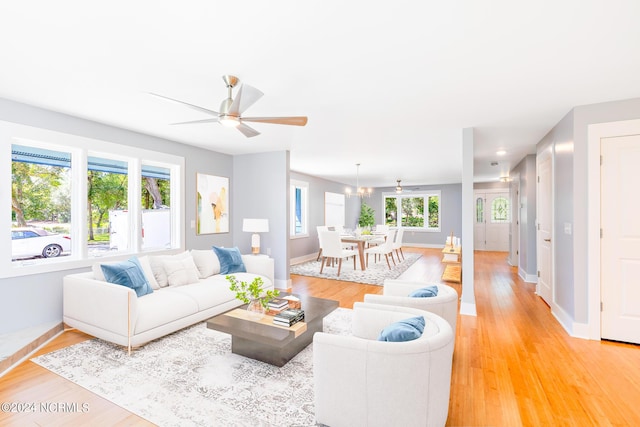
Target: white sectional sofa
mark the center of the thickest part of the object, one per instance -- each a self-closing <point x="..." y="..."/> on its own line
<point x="181" y="296"/>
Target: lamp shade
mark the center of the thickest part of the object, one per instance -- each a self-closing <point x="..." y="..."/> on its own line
<point x="255" y="225"/>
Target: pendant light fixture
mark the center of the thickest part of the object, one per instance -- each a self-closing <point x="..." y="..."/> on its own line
<point x="360" y="192"/>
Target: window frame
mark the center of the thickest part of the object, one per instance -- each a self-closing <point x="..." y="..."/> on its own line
<point x="418" y="194"/>
<point x="80" y="149"/>
<point x="304" y="194"/>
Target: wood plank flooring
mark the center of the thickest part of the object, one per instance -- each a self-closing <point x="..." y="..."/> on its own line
<point x="513" y="365"/>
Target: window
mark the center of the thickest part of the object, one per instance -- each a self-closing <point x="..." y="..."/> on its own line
<point x="70" y="203"/>
<point x="500" y="210"/>
<point x="299" y="204"/>
<point x="479" y="210"/>
<point x="408" y="210"/>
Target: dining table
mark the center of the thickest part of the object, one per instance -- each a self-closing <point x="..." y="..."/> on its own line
<point x="360" y="241"/>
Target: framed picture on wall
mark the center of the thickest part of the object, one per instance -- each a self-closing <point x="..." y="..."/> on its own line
<point x="212" y="198"/>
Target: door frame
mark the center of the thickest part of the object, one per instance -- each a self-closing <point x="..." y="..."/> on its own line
<point x="596" y="133"/>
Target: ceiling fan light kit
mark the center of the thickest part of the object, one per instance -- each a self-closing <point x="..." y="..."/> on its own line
<point x="230" y="114"/>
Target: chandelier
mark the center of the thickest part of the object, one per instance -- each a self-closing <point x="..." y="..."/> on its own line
<point x="398" y="187"/>
<point x="360" y="191"/>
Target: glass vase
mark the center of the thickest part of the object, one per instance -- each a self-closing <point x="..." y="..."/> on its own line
<point x="255" y="309"/>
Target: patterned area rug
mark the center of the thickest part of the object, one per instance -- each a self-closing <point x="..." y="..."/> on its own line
<point x="191" y="378"/>
<point x="375" y="274"/>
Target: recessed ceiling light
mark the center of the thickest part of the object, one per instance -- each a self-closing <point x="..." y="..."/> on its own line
<point x="501" y="152"/>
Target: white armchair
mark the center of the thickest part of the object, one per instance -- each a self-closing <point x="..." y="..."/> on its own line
<point x="360" y="381"/>
<point x="396" y="292"/>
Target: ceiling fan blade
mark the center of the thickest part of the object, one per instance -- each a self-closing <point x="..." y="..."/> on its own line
<point x="294" y="121"/>
<point x="245" y="98"/>
<point x="247" y="130"/>
<point x="214" y="120"/>
<point x="195" y="107"/>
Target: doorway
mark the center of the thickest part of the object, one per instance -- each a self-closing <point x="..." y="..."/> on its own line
<point x="492" y="220"/>
<point x="544" y="228"/>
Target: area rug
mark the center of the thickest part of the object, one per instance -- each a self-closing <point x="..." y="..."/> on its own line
<point x="191" y="378"/>
<point x="375" y="274"/>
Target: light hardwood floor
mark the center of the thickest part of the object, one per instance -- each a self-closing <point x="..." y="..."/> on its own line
<point x="513" y="364"/>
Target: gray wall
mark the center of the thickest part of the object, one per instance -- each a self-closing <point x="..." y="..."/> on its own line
<point x="569" y="140"/>
<point x="525" y="174"/>
<point x="303" y="246"/>
<point x="260" y="189"/>
<point x="37" y="299"/>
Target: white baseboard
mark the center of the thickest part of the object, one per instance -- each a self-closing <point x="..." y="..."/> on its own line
<point x="468" y="309"/>
<point x="303" y="258"/>
<point x="282" y="284"/>
<point x="574" y="329"/>
<point x="528" y="278"/>
<point x="422" y="245"/>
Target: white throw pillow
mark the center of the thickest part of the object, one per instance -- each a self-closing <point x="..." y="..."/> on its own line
<point x="206" y="261"/>
<point x="157" y="266"/>
<point x="181" y="271"/>
<point x="148" y="272"/>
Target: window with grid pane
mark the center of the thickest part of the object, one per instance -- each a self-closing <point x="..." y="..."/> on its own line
<point x="500" y="210"/>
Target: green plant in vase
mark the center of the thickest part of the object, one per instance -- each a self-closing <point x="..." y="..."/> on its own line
<point x="252" y="293"/>
<point x="367" y="218"/>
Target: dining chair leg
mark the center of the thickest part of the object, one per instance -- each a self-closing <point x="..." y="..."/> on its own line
<point x="339" y="266"/>
<point x="387" y="257"/>
<point x="354" y="263"/>
<point x="322" y="264"/>
<point x="319" y="254"/>
<point x="402" y="253"/>
<point x="393" y="258"/>
<point x="367" y="260"/>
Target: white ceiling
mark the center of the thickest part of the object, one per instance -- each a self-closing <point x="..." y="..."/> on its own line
<point x="389" y="85"/>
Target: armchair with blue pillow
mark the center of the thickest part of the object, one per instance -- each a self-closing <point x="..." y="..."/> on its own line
<point x="437" y="298"/>
<point x="393" y="370"/>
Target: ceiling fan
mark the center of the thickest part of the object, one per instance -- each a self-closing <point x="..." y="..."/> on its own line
<point x="231" y="110"/>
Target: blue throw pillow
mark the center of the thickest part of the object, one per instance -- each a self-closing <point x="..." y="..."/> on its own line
<point x="426" y="292"/>
<point x="230" y="260"/>
<point x="127" y="273"/>
<point x="404" y="330"/>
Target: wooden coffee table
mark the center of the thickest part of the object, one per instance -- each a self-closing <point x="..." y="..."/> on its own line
<point x="261" y="340"/>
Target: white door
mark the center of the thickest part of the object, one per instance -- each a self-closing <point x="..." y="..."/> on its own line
<point x="620" y="244"/>
<point x="498" y="221"/>
<point x="479" y="225"/>
<point x="544" y="244"/>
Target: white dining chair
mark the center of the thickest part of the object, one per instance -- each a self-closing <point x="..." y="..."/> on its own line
<point x="397" y="243"/>
<point x="332" y="249"/>
<point x="320" y="228"/>
<point x="385" y="249"/>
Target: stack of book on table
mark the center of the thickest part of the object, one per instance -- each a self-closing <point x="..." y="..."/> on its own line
<point x="288" y="317"/>
<point x="276" y="305"/>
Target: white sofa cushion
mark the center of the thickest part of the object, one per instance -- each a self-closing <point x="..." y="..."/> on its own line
<point x="148" y="272"/>
<point x="206" y="261"/>
<point x="162" y="307"/>
<point x="157" y="266"/>
<point x="180" y="271"/>
<point x="206" y="294"/>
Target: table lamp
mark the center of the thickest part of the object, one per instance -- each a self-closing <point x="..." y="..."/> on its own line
<point x="255" y="226"/>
